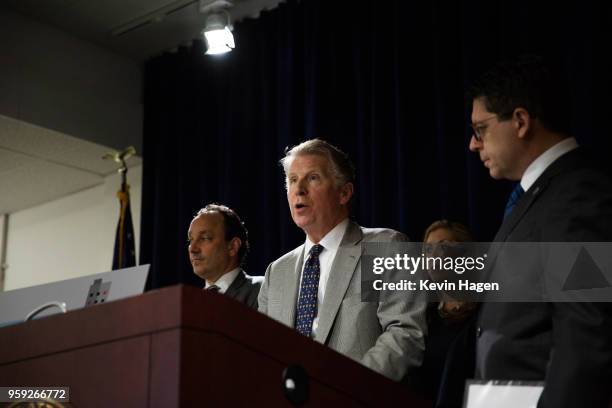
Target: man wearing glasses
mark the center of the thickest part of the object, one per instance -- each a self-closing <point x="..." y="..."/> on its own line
<point x="521" y="133"/>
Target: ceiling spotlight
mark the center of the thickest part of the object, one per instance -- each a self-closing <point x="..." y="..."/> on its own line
<point x="218" y="33"/>
<point x="218" y="29"/>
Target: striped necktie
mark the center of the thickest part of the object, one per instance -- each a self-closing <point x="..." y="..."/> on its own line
<point x="516" y="194"/>
<point x="309" y="289"/>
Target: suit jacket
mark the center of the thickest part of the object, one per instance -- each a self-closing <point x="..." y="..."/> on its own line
<point x="569" y="345"/>
<point x="385" y="336"/>
<point x="245" y="289"/>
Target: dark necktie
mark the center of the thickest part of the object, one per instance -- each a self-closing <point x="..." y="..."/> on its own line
<point x="514" y="197"/>
<point x="213" y="288"/>
<point x="307" y="302"/>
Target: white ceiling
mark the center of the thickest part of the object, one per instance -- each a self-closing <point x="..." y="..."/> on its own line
<point x="38" y="165"/>
<point x="153" y="26"/>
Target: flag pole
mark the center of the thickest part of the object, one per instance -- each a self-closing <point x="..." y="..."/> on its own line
<point x="125" y="230"/>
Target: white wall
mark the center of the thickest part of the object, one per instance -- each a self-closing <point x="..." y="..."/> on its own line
<point x="69" y="237"/>
<point x="3" y="226"/>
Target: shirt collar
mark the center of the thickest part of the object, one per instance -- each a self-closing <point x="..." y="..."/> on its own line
<point x="541" y="163"/>
<point x="224" y="281"/>
<point x="331" y="241"/>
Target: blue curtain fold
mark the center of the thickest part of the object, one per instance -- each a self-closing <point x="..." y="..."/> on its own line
<point x="385" y="82"/>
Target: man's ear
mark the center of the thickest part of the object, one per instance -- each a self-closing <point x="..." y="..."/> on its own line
<point x="234" y="246"/>
<point x="522" y="121"/>
<point x="346" y="192"/>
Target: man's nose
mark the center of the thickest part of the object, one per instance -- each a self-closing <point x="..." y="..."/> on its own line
<point x="300" y="188"/>
<point x="475" y="145"/>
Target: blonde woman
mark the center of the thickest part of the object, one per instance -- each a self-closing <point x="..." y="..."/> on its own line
<point x="450" y="344"/>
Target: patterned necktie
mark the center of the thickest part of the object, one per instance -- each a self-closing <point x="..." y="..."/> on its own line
<point x="307" y="303"/>
<point x="213" y="288"/>
<point x="514" y="197"/>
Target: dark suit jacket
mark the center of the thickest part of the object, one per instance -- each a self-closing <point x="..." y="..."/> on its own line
<point x="569" y="345"/>
<point x="245" y="289"/>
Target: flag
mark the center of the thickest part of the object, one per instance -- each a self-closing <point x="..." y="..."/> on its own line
<point x="124" y="255"/>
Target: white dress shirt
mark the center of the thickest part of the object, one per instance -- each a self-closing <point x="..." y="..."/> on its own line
<point x="225" y="281"/>
<point x="541" y="163"/>
<point x="330" y="242"/>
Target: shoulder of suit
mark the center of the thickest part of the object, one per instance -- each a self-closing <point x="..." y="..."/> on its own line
<point x="579" y="164"/>
<point x="295" y="252"/>
<point x="254" y="280"/>
<point x="382" y="235"/>
<point x="583" y="179"/>
<point x="289" y="258"/>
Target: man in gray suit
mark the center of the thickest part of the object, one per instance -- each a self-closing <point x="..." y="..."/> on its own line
<point x="218" y="246"/>
<point x="316" y="288"/>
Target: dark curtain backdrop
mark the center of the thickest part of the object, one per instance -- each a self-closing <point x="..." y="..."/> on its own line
<point x="384" y="81"/>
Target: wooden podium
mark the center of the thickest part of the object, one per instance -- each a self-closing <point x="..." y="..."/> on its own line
<point x="181" y="346"/>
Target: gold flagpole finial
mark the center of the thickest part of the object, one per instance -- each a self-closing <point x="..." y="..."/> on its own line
<point x="121" y="157"/>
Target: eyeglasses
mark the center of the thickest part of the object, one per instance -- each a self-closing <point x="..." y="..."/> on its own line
<point x="479" y="128"/>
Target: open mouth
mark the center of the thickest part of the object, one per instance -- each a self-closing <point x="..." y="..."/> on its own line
<point x="300" y="206"/>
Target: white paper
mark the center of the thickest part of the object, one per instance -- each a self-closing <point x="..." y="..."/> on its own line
<point x="503" y="395"/>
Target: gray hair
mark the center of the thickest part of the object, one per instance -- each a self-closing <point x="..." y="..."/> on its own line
<point x="341" y="166"/>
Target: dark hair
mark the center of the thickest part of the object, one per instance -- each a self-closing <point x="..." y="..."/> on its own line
<point x="234" y="227"/>
<point x="526" y="82"/>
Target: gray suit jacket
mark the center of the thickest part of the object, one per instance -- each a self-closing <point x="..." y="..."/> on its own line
<point x="245" y="289"/>
<point x="385" y="336"/>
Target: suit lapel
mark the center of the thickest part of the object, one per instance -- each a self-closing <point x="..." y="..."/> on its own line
<point x="342" y="270"/>
<point x="518" y="212"/>
<point x="508" y="226"/>
<point x="292" y="267"/>
<point x="566" y="161"/>
<point x="234" y="288"/>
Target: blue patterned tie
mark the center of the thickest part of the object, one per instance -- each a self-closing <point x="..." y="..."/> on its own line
<point x="514" y="197"/>
<point x="307" y="303"/>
